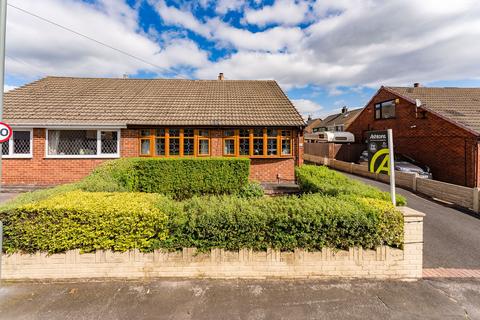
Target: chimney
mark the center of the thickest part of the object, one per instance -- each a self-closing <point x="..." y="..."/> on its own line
<point x="417" y="85"/>
<point x="125" y="76"/>
<point x="220" y="76"/>
<point x="344" y="109"/>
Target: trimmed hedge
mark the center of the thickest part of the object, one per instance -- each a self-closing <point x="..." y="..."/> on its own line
<point x="320" y="179"/>
<point x="88" y="221"/>
<point x="181" y="177"/>
<point x="123" y="221"/>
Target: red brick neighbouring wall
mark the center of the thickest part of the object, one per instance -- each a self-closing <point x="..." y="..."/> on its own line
<point x="40" y="171"/>
<point x="449" y="150"/>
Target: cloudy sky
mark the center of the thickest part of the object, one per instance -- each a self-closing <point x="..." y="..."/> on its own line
<point x="325" y="53"/>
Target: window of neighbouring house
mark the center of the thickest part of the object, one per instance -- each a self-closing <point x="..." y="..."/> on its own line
<point x="84" y="143"/>
<point x="19" y="145"/>
<point x="385" y="110"/>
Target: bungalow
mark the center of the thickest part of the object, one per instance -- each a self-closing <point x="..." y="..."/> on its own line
<point x="64" y="127"/>
<point x="439" y="127"/>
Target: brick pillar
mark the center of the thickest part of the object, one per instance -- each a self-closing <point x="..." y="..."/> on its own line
<point x="413" y="242"/>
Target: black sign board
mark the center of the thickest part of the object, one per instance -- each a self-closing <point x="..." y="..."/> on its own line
<point x="377" y="146"/>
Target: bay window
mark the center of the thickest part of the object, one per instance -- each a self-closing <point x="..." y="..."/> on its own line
<point x="83" y="143"/>
<point x="19" y="145"/>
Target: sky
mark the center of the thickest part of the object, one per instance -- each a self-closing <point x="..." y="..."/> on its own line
<point x="325" y="54"/>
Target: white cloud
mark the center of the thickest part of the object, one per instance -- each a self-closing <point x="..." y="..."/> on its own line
<point x="368" y="43"/>
<point x="36" y="48"/>
<point x="224" y="6"/>
<point x="286" y="12"/>
<point x="9" y="87"/>
<point x="308" y="108"/>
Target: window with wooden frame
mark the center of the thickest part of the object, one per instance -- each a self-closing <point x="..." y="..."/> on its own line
<point x="229" y="138"/>
<point x="186" y="142"/>
<point x="244" y="144"/>
<point x="286" y="140"/>
<point x="258" y="142"/>
<point x="203" y="138"/>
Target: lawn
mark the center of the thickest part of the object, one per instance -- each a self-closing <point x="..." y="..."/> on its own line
<point x="141" y="204"/>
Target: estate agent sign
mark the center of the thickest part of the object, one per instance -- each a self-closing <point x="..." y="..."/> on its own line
<point x="378" y="154"/>
<point x="381" y="156"/>
<point x="5" y="132"/>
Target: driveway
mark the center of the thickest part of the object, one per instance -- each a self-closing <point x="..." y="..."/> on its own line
<point x="242" y="299"/>
<point x="451" y="235"/>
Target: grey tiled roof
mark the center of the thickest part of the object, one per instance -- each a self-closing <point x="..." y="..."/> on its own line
<point x="339" y="119"/>
<point x="460" y="105"/>
<point x="61" y="100"/>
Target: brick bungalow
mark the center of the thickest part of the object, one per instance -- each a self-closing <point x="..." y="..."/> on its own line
<point x="439" y="127"/>
<point x="65" y="127"/>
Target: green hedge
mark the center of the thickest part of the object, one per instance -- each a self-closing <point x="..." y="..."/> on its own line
<point x="88" y="221"/>
<point x="122" y="221"/>
<point x="180" y="177"/>
<point x="320" y="179"/>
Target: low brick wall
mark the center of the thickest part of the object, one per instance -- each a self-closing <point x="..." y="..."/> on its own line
<point x="384" y="262"/>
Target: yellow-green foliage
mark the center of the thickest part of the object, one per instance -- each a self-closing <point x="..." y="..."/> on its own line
<point x="320" y="179"/>
<point x="88" y="221"/>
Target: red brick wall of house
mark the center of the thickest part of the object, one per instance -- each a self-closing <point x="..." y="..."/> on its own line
<point x="449" y="150"/>
<point x="41" y="171"/>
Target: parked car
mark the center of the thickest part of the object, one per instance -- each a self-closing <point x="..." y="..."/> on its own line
<point x="403" y="163"/>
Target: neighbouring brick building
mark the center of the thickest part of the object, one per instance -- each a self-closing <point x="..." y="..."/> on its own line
<point x="65" y="127"/>
<point x="439" y="127"/>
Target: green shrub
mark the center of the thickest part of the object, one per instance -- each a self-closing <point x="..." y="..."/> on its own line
<point x="179" y="177"/>
<point x="88" y="221"/>
<point x="123" y="221"/>
<point x="320" y="179"/>
<point x="310" y="222"/>
<point x="252" y="189"/>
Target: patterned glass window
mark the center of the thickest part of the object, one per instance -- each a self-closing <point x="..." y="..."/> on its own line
<point x="229" y="142"/>
<point x="174" y="142"/>
<point x="19" y="144"/>
<point x="109" y="142"/>
<point x="272" y="141"/>
<point x="286" y="142"/>
<point x="258" y="142"/>
<point x="188" y="142"/>
<point x="244" y="142"/>
<point x="160" y="142"/>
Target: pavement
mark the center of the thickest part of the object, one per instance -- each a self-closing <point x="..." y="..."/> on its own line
<point x="451" y="235"/>
<point x="5" y="196"/>
<point x="242" y="299"/>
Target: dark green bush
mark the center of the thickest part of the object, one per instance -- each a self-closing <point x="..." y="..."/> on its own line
<point x="122" y="221"/>
<point x="320" y="179"/>
<point x="179" y="177"/>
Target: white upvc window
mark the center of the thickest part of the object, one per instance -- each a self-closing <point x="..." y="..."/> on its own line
<point x="82" y="143"/>
<point x="20" y="144"/>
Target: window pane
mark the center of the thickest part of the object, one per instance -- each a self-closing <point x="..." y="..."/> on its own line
<point x="145" y="132"/>
<point x="272" y="147"/>
<point x="188" y="133"/>
<point x="288" y="133"/>
<point x="272" y="132"/>
<point x="229" y="133"/>
<point x="174" y="132"/>
<point x="258" y="132"/>
<point x="72" y="142"/>
<point x="229" y="147"/>
<point x="109" y="142"/>
<point x="145" y="146"/>
<point x="203" y="147"/>
<point x="160" y="132"/>
<point x="286" y="147"/>
<point x="188" y="144"/>
<point x="5" y="148"/>
<point x="160" y="146"/>
<point x="244" y="147"/>
<point x="388" y="109"/>
<point x="204" y="133"/>
<point x="244" y="133"/>
<point x="258" y="147"/>
<point x="174" y="146"/>
<point x="21" y="142"/>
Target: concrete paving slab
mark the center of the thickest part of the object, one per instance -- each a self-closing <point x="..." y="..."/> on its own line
<point x="241" y="299"/>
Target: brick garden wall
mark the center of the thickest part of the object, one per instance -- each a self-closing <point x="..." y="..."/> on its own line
<point x="40" y="171"/>
<point x="383" y="262"/>
<point x="449" y="150"/>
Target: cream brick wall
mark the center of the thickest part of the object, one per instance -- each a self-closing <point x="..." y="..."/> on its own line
<point x="384" y="262"/>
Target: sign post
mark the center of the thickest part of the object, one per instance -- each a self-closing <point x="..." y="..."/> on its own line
<point x="381" y="157"/>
